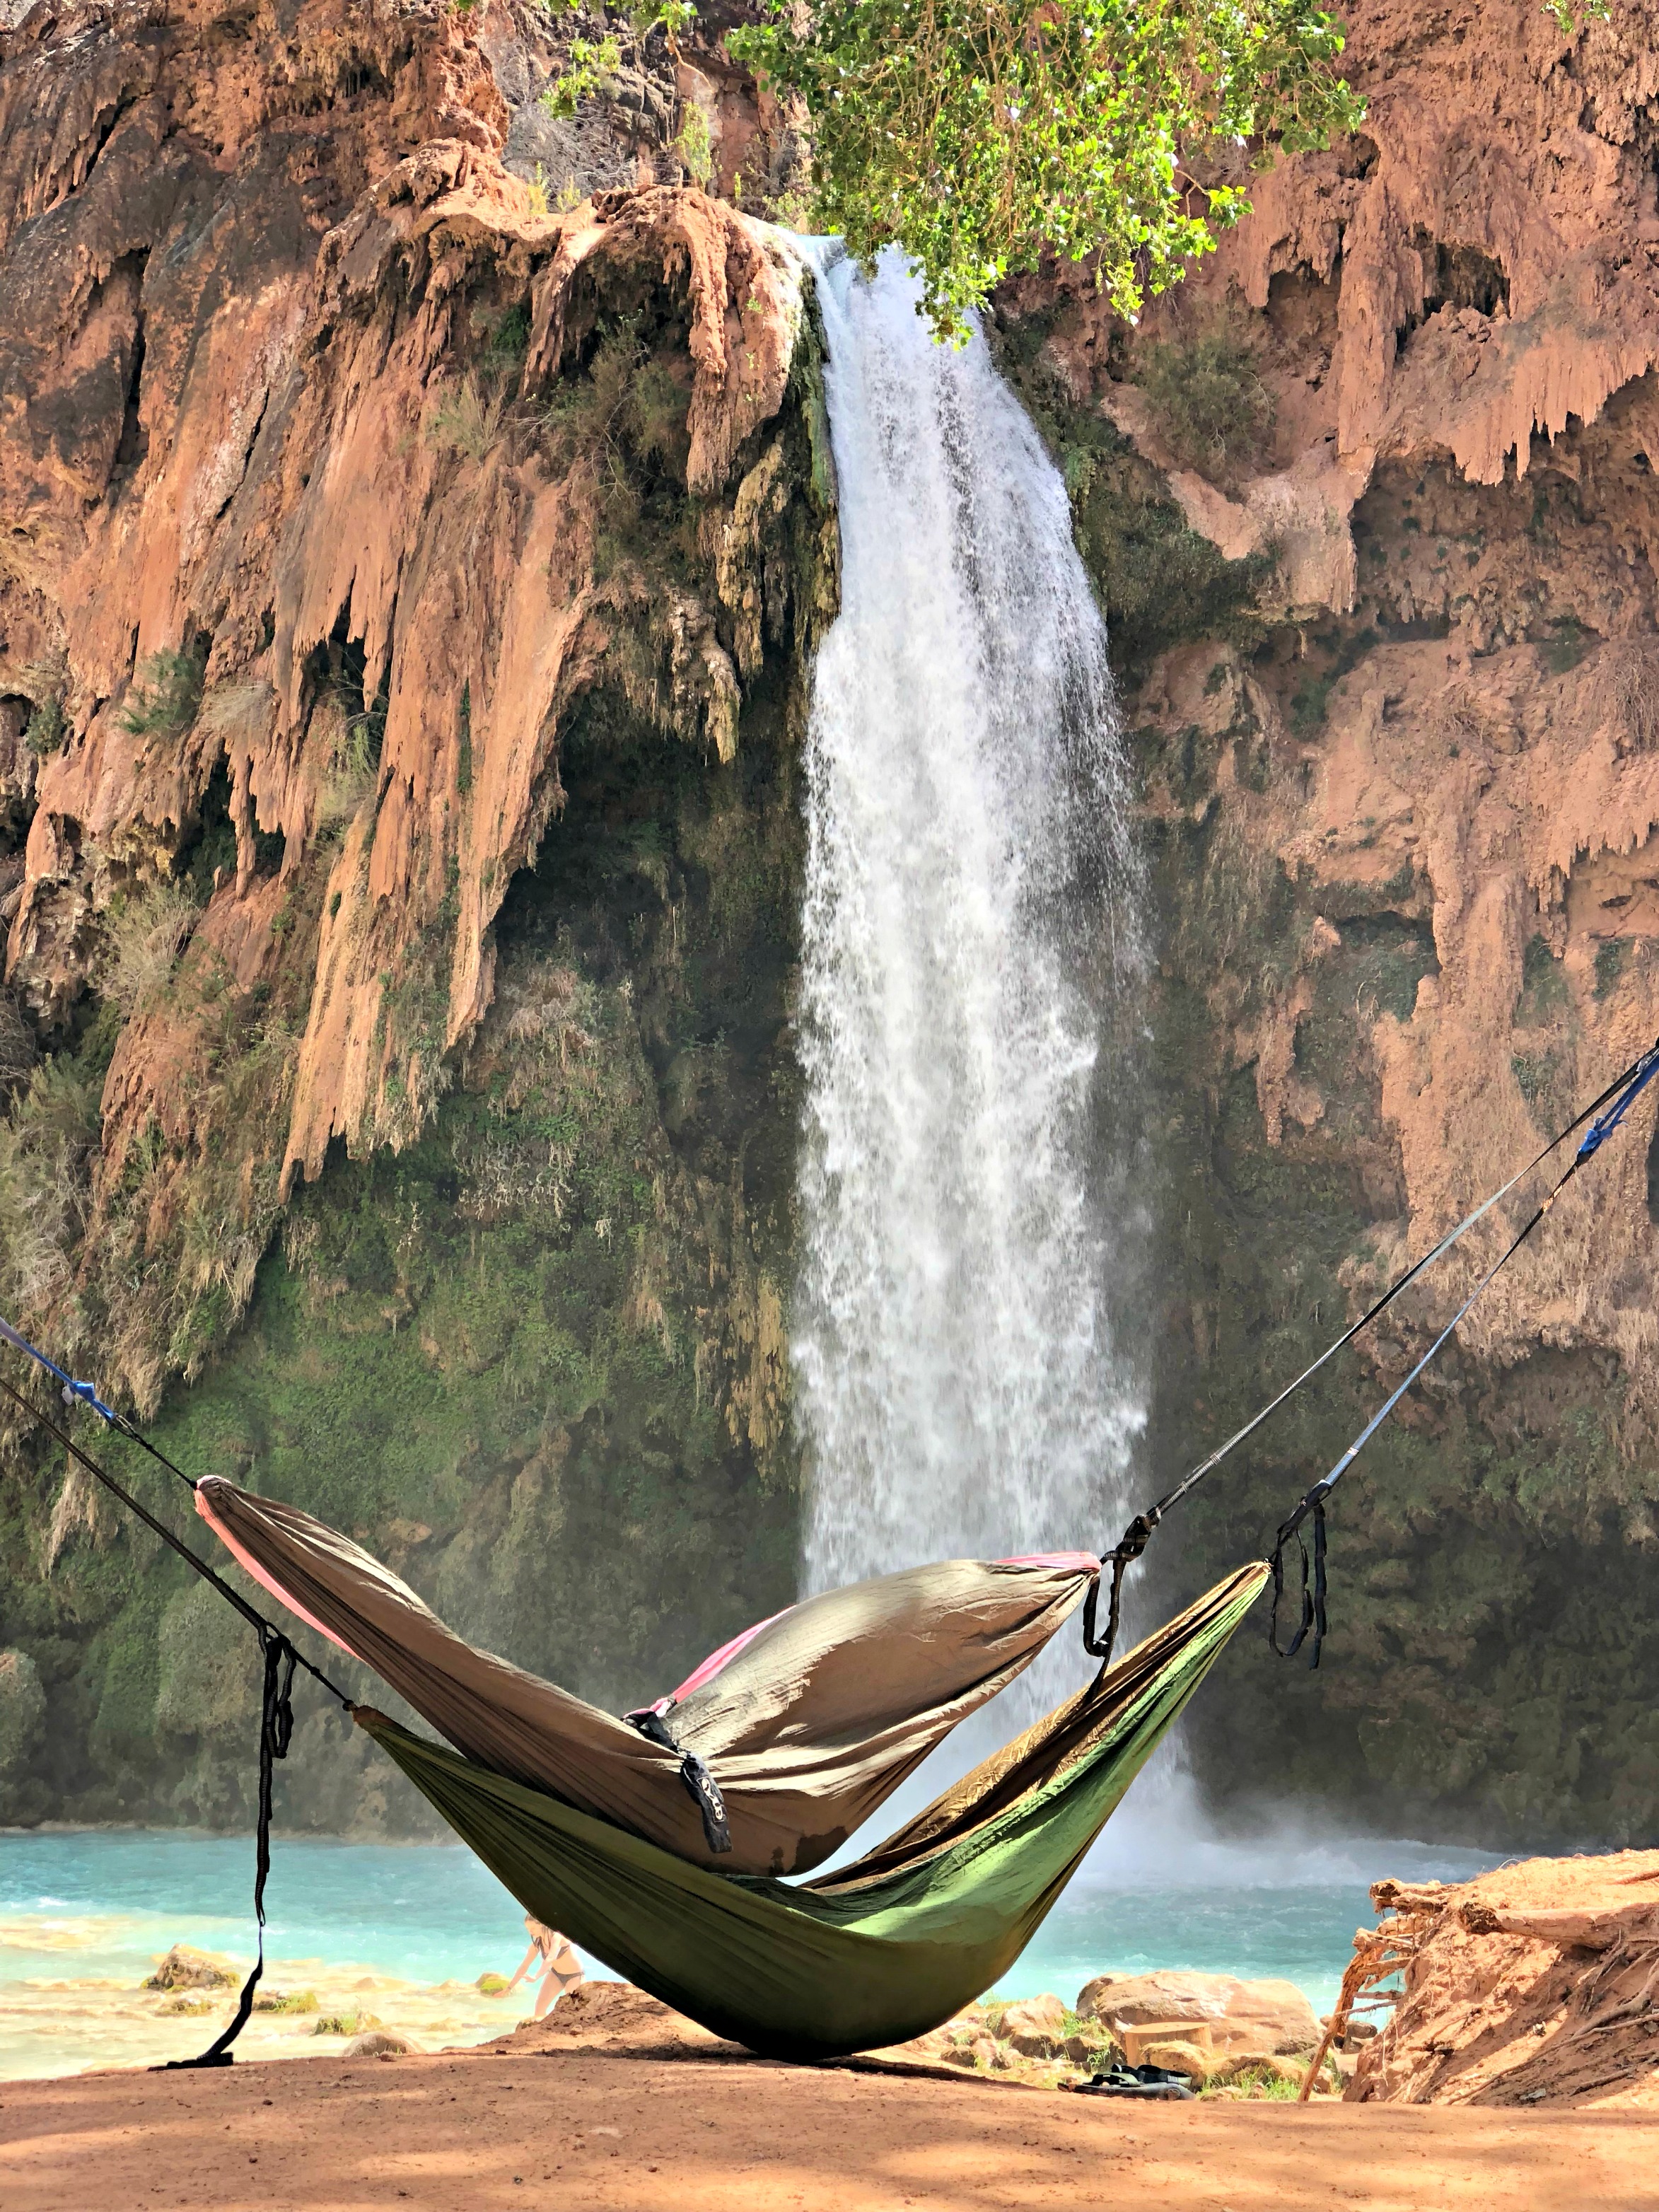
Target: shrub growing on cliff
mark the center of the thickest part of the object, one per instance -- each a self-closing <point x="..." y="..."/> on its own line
<point x="46" y="683"/>
<point x="469" y="418"/>
<point x="695" y="147"/>
<point x="145" y="934"/>
<point x="1207" y="398"/>
<point x="592" y="67"/>
<point x="163" y="702"/>
<point x="977" y="135"/>
<point x="43" y="1144"/>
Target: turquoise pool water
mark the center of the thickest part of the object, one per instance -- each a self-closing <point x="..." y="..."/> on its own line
<point x="102" y="1906"/>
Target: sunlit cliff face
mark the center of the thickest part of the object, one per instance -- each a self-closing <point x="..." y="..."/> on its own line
<point x="356" y="496"/>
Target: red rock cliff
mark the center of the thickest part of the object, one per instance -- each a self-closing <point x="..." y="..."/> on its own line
<point x="301" y="421"/>
<point x="1402" y="770"/>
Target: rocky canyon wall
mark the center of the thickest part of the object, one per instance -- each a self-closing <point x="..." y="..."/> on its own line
<point x="418" y="523"/>
<point x="1372" y="498"/>
<point x="407" y="594"/>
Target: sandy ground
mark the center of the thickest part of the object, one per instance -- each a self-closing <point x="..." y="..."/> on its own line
<point x="56" y="2026"/>
<point x="584" y="2132"/>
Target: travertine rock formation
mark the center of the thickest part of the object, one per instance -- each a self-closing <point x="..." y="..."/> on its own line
<point x="1403" y="788"/>
<point x="401" y="482"/>
<point x="1529" y="1987"/>
<point x="297" y="417"/>
<point x="401" y="487"/>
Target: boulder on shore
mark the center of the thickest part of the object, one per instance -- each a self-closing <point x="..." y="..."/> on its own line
<point x="186" y="1968"/>
<point x="381" y="2042"/>
<point x="1215" y="2014"/>
<point x="1035" y="2026"/>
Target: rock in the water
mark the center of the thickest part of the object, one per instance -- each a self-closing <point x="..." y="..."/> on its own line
<point x="345" y="2023"/>
<point x="187" y="1968"/>
<point x="1231" y="2016"/>
<point x="1035" y="2026"/>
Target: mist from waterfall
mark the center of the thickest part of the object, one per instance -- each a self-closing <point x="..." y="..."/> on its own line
<point x="972" y="962"/>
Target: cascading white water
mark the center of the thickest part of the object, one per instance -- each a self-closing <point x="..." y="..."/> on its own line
<point x="970" y="914"/>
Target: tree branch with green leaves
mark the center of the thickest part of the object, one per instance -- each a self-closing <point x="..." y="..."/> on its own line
<point x="978" y="135"/>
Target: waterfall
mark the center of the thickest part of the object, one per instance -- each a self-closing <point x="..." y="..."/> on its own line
<point x="970" y="946"/>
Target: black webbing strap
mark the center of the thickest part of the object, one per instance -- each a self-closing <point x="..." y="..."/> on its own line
<point x="1129" y="1546"/>
<point x="275" y="1732"/>
<point x="277" y="1706"/>
<point x="1313" y="1598"/>
<point x="1624" y="1089"/>
<point x="704" y="1790"/>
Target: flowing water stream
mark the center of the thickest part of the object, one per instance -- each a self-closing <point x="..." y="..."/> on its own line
<point x="970" y="936"/>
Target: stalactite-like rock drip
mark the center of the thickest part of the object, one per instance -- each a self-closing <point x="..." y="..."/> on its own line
<point x="298" y="393"/>
<point x="471" y="581"/>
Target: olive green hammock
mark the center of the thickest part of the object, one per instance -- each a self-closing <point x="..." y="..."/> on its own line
<point x="882" y="1950"/>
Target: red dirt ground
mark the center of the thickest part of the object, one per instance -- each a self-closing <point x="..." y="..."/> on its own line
<point x="582" y="2131"/>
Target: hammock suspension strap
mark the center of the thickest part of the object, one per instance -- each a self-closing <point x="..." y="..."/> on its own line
<point x="279" y="1657"/>
<point x="704" y="1790"/>
<point x="1618" y="1098"/>
<point x="1129" y="1546"/>
<point x="1313" y="1598"/>
<point x="1626" y="1093"/>
<point x="276" y="1732"/>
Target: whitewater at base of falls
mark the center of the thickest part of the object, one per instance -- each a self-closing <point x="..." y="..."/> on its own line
<point x="969" y="928"/>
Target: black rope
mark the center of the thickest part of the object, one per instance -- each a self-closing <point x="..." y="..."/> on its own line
<point x="1625" y="1088"/>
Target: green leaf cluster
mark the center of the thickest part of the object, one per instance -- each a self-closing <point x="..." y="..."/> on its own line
<point x="976" y="135"/>
<point x="593" y="65"/>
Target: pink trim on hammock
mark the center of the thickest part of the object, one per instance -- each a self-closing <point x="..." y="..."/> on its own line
<point x="1082" y="1563"/>
<point x="713" y="1664"/>
<point x="245" y="1558"/>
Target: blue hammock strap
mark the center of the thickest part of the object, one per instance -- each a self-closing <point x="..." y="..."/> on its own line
<point x="82" y="1393"/>
<point x="1603" y="1127"/>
